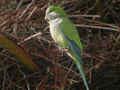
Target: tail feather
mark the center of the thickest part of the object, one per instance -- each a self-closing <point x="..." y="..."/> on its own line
<point x="79" y="66"/>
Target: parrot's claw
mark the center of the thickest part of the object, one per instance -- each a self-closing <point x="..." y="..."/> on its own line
<point x="62" y="49"/>
<point x="65" y="49"/>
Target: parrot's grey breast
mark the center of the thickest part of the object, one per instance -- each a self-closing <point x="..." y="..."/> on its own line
<point x="55" y="31"/>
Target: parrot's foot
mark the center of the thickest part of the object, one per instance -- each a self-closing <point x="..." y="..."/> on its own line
<point x="60" y="50"/>
<point x="65" y="49"/>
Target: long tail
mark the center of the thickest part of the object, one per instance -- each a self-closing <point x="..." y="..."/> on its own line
<point x="75" y="54"/>
<point x="79" y="66"/>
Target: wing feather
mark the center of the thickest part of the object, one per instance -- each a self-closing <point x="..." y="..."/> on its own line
<point x="70" y="31"/>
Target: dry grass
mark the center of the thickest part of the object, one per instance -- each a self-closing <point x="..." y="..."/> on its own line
<point x="98" y="24"/>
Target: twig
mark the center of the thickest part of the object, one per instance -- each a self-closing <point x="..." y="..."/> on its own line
<point x="31" y="12"/>
<point x="20" y="3"/>
<point x="88" y="16"/>
<point x="97" y="27"/>
<point x="4" y="80"/>
<point x="26" y="9"/>
<point x="30" y="37"/>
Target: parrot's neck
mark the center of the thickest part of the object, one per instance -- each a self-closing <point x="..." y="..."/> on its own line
<point x="55" y="21"/>
<point x="55" y="30"/>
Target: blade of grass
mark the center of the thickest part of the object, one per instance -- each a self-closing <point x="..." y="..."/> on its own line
<point x="20" y="54"/>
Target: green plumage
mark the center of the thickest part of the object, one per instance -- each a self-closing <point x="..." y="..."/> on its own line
<point x="70" y="31"/>
<point x="65" y="35"/>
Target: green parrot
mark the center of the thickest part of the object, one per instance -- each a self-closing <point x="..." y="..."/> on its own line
<point x="64" y="33"/>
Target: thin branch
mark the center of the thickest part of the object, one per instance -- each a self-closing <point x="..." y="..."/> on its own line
<point x="97" y="27"/>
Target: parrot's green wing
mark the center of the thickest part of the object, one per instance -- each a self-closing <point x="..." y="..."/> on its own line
<point x="70" y="31"/>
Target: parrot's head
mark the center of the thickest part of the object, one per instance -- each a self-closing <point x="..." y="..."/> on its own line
<point x="54" y="12"/>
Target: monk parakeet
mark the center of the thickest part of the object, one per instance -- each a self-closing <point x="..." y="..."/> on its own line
<point x="64" y="33"/>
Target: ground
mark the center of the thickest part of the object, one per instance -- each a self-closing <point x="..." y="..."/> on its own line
<point x="98" y="23"/>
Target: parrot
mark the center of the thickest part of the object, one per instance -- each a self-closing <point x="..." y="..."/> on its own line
<point x="66" y="36"/>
